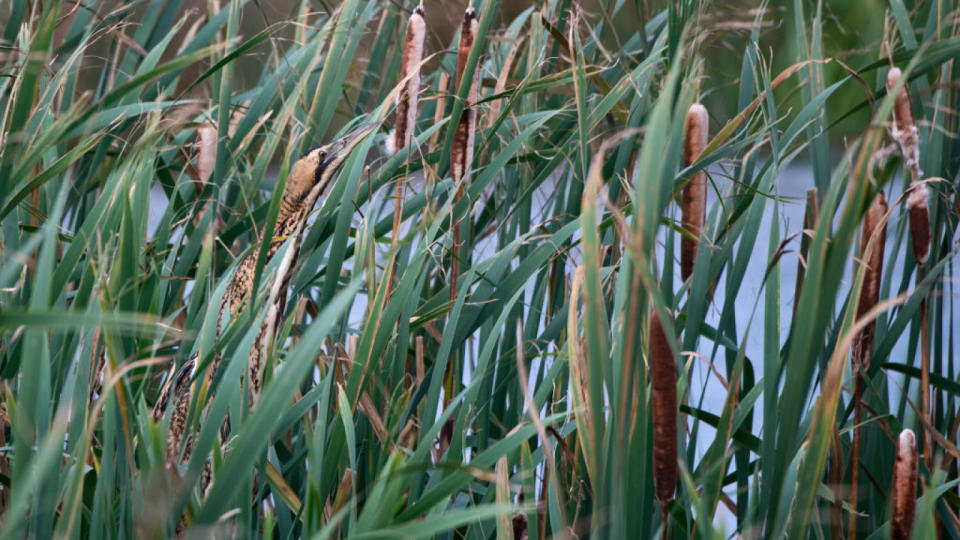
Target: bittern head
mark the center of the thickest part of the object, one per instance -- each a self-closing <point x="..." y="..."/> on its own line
<point x="312" y="173"/>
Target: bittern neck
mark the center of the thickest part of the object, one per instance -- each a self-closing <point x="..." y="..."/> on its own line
<point x="290" y="208"/>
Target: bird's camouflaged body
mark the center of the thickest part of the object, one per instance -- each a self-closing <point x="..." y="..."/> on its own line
<point x="306" y="182"/>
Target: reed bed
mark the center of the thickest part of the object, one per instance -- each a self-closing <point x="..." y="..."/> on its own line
<point x="469" y="346"/>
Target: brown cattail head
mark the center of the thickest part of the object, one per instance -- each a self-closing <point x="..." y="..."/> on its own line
<point x="917" y="206"/>
<point x="904" y="126"/>
<point x="663" y="401"/>
<point x="694" y="196"/>
<point x="407" y="101"/>
<point x="874" y="224"/>
<point x="903" y="490"/>
<point x="463" y="140"/>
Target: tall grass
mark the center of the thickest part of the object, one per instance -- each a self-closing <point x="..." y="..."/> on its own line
<point x="479" y="366"/>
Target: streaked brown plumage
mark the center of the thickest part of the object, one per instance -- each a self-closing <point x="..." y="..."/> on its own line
<point x="308" y="179"/>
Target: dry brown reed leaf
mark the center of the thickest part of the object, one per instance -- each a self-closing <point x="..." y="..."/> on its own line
<point x="903" y="489"/>
<point x="207" y="152"/>
<point x="443" y="85"/>
<point x="663" y="377"/>
<point x="343" y="491"/>
<point x="694" y="195"/>
<point x="493" y="113"/>
<point x="579" y="375"/>
<point x="407" y="101"/>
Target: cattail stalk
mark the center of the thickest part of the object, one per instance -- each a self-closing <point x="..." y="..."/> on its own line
<point x="917" y="207"/>
<point x="905" y="133"/>
<point x="408" y="101"/>
<point x="903" y="489"/>
<point x="463" y="139"/>
<point x="663" y="377"/>
<point x="871" y="250"/>
<point x="406" y="121"/>
<point x="694" y="195"/>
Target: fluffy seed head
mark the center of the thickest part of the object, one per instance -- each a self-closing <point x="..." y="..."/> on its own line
<point x="694" y="195"/>
<point x="903" y="489"/>
<point x="904" y="127"/>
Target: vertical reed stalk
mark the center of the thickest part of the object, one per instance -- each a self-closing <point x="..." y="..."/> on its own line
<point x="407" y="104"/>
<point x="871" y="251"/>
<point x="462" y="150"/>
<point x="905" y="133"/>
<point x="903" y="489"/>
<point x="917" y="206"/>
<point x="663" y="380"/>
<point x="694" y="195"/>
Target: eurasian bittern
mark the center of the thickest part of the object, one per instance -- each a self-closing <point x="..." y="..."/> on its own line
<point x="306" y="182"/>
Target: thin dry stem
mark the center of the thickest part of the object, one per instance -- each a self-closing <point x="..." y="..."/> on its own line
<point x="919" y="214"/>
<point x="871" y="250"/>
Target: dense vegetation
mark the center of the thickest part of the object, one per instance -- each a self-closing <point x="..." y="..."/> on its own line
<point x="499" y="384"/>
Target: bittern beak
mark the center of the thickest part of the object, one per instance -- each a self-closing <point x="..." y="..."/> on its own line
<point x="312" y="173"/>
<point x="339" y="150"/>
